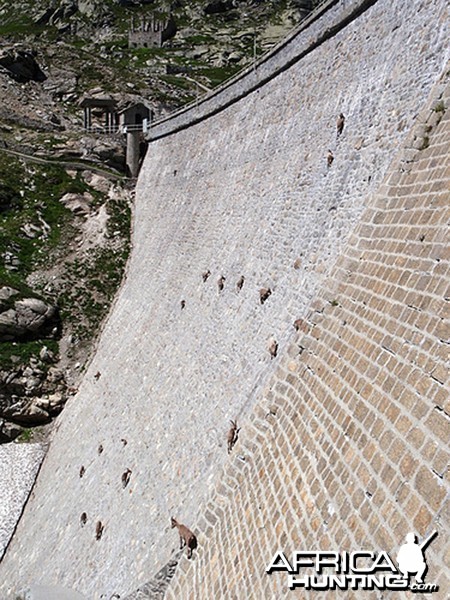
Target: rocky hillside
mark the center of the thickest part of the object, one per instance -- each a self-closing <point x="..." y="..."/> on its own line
<point x="81" y="44"/>
<point x="65" y="204"/>
<point x="64" y="243"/>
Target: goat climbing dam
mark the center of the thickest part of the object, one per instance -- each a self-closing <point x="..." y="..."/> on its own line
<point x="344" y="433"/>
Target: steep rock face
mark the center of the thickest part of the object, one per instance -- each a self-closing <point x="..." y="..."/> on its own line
<point x="59" y="15"/>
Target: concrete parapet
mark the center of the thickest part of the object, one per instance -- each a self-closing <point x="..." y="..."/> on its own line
<point x="328" y="19"/>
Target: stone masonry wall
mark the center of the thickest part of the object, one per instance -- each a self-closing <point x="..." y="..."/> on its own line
<point x="244" y="192"/>
<point x="349" y="447"/>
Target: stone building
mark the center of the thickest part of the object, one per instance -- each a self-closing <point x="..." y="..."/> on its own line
<point x="135" y="114"/>
<point x="105" y="114"/>
<point x="100" y="113"/>
<point x="150" y="33"/>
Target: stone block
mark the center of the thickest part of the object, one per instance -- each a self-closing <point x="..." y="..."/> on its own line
<point x="430" y="488"/>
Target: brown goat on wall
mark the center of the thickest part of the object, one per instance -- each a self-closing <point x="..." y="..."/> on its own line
<point x="298" y="324"/>
<point x="330" y="158"/>
<point x="272" y="346"/>
<point x="99" y="530"/>
<point x="340" y="124"/>
<point x="126" y="478"/>
<point x="187" y="538"/>
<point x="232" y="436"/>
<point x="264" y="293"/>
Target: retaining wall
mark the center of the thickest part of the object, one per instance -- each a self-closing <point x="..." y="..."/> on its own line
<point x="244" y="192"/>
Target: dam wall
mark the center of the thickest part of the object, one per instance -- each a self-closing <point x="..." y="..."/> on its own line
<point x="244" y="190"/>
<point x="348" y="448"/>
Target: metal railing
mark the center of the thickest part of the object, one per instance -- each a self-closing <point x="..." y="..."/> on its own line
<point x="118" y="129"/>
<point x="111" y="130"/>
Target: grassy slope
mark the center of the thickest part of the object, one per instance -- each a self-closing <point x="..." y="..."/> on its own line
<point x="110" y="64"/>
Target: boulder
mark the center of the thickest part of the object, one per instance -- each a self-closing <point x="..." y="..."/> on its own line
<point x="56" y="376"/>
<point x="29" y="394"/>
<point x="235" y="57"/>
<point x="53" y="404"/>
<point x="77" y="203"/>
<point x="46" y="355"/>
<point x="26" y="318"/>
<point x="9" y="431"/>
<point x="8" y="198"/>
<point x="6" y="293"/>
<point x="11" y="262"/>
<point x="88" y="7"/>
<point x="98" y="182"/>
<point x="61" y="83"/>
<point x="26" y="413"/>
<point x="21" y="65"/>
<point x="218" y="6"/>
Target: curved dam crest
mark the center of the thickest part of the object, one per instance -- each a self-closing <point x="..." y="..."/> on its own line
<point x="244" y="192"/>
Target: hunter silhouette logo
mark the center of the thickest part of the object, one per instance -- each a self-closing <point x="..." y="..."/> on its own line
<point x="411" y="557"/>
<point x="362" y="570"/>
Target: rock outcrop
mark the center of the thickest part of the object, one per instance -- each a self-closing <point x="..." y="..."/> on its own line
<point x="8" y="197"/>
<point x="22" y="66"/>
<point x="26" y="318"/>
<point x="30" y="394"/>
<point x="30" y="390"/>
<point x="218" y="6"/>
